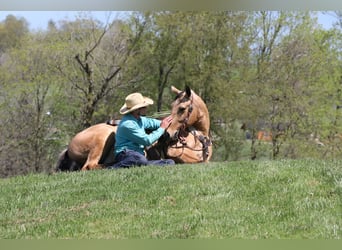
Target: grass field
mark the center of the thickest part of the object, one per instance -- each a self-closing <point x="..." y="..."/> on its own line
<point x="233" y="200"/>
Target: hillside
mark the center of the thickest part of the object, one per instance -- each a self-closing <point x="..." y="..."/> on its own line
<point x="239" y="200"/>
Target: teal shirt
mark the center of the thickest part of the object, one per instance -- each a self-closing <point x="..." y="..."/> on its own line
<point x="131" y="133"/>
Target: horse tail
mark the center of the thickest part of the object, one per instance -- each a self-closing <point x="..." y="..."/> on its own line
<point x="65" y="163"/>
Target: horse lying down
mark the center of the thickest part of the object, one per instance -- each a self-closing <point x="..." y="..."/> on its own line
<point x="93" y="148"/>
<point x="187" y="139"/>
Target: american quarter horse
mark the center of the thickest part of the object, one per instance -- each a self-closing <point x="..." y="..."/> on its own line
<point x="92" y="148"/>
<point x="187" y="140"/>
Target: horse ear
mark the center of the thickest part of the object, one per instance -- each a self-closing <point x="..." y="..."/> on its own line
<point x="188" y="91"/>
<point x="175" y="90"/>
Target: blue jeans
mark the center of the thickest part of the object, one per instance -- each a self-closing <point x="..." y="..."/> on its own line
<point x="129" y="158"/>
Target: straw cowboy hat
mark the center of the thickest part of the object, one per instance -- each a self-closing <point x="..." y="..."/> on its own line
<point x="135" y="101"/>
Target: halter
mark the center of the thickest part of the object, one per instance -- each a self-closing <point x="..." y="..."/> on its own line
<point x="206" y="142"/>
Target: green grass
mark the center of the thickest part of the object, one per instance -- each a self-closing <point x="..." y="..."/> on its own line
<point x="236" y="200"/>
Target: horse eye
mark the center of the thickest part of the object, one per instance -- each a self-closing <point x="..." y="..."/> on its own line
<point x="181" y="110"/>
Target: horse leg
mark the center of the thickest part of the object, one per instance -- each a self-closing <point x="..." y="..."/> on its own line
<point x="93" y="159"/>
<point x="99" y="154"/>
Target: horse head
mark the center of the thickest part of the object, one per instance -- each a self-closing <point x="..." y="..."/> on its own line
<point x="188" y="110"/>
<point x="187" y="139"/>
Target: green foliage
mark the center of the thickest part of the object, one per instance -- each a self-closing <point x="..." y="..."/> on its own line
<point x="239" y="200"/>
<point x="269" y="70"/>
<point x="12" y="30"/>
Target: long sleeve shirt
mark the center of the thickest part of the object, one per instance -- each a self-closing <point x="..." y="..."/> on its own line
<point x="131" y="133"/>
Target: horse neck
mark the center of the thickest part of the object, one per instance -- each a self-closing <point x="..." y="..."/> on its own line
<point x="200" y="119"/>
<point x="201" y="124"/>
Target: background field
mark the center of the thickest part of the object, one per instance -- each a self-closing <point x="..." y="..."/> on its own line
<point x="235" y="200"/>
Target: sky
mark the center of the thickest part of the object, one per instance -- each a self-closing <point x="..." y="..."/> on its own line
<point x="39" y="19"/>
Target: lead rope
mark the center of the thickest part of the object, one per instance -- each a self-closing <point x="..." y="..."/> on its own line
<point x="206" y="142"/>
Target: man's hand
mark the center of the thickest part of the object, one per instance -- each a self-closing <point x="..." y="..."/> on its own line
<point x="165" y="123"/>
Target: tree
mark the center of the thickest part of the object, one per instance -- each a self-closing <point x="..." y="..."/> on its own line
<point x="214" y="68"/>
<point x="12" y="30"/>
<point x="25" y="124"/>
<point x="267" y="109"/>
<point x="157" y="52"/>
<point x="97" y="56"/>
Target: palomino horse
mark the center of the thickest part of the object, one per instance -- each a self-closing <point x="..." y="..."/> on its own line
<point x="187" y="140"/>
<point x="90" y="149"/>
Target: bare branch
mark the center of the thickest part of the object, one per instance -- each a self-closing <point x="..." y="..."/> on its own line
<point x="84" y="67"/>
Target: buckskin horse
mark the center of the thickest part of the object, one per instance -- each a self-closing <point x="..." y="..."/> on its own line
<point x="92" y="148"/>
<point x="187" y="140"/>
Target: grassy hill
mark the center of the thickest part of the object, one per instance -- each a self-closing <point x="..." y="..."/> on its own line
<point x="239" y="200"/>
